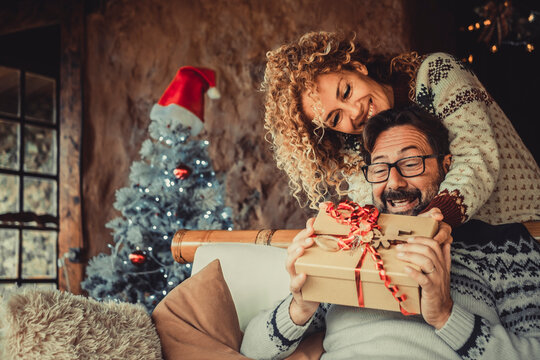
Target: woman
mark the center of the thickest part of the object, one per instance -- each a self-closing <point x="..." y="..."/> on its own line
<point x="321" y="90"/>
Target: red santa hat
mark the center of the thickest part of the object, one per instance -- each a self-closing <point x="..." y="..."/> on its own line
<point x="184" y="97"/>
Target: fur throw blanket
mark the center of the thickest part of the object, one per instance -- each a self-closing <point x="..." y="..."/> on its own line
<point x="49" y="324"/>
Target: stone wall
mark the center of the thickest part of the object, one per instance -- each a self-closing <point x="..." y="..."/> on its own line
<point x="133" y="51"/>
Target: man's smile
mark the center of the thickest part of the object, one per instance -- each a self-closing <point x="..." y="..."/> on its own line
<point x="402" y="205"/>
<point x="402" y="201"/>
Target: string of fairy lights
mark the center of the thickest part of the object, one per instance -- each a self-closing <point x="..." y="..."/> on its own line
<point x="173" y="180"/>
<point x="500" y="23"/>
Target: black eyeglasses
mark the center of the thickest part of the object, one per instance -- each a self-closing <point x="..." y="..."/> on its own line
<point x="407" y="167"/>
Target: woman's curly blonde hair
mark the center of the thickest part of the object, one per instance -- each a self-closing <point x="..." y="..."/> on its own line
<point x="314" y="158"/>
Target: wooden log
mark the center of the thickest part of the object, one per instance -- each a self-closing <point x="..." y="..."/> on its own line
<point x="534" y="228"/>
<point x="185" y="242"/>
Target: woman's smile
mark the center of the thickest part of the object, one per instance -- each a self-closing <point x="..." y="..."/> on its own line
<point x="348" y="99"/>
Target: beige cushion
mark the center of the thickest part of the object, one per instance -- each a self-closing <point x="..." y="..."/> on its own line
<point x="255" y="275"/>
<point x="197" y="320"/>
<point x="49" y="324"/>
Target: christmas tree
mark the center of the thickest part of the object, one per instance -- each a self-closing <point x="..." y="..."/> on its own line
<point x="172" y="187"/>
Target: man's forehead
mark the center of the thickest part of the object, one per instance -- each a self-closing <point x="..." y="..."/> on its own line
<point x="400" y="140"/>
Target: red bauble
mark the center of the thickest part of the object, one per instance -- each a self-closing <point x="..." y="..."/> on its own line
<point x="138" y="257"/>
<point x="182" y="172"/>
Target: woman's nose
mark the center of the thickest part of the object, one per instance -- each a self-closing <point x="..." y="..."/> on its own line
<point x="354" y="110"/>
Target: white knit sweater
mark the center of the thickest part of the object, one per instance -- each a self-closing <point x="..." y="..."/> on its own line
<point x="493" y="176"/>
<point x="495" y="285"/>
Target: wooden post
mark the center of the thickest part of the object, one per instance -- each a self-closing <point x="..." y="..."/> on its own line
<point x="71" y="115"/>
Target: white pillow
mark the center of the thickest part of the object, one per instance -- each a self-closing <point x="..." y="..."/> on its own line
<point x="255" y="274"/>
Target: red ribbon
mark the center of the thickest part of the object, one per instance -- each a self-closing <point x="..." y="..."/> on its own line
<point x="362" y="220"/>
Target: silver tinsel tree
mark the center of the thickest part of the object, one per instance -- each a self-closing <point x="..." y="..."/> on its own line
<point x="172" y="187"/>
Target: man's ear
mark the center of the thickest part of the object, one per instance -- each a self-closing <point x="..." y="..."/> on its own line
<point x="447" y="161"/>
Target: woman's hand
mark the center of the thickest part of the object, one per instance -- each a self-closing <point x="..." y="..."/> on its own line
<point x="444" y="234"/>
<point x="434" y="277"/>
<point x="300" y="311"/>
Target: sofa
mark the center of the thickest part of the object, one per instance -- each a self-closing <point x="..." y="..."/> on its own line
<point x="202" y="318"/>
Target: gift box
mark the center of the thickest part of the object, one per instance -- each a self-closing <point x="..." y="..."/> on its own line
<point x="351" y="276"/>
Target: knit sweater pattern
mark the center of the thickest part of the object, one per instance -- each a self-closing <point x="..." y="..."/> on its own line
<point x="495" y="286"/>
<point x="493" y="176"/>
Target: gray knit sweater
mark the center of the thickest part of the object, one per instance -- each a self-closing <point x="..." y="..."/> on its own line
<point x="495" y="285"/>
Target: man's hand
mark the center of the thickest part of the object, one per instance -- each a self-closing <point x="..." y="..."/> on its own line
<point x="300" y="311"/>
<point x="434" y="277"/>
<point x="444" y="234"/>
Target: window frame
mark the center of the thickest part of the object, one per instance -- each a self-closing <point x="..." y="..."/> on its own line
<point x="21" y="173"/>
<point x="68" y="17"/>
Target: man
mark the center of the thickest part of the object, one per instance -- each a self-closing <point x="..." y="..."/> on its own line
<point x="480" y="300"/>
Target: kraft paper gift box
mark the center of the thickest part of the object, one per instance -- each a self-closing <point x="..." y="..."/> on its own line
<point x="331" y="275"/>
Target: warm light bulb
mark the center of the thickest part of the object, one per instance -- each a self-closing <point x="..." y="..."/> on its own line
<point x="530" y="47"/>
<point x="470" y="59"/>
<point x="477" y="25"/>
<point x="494" y="48"/>
<point x="487" y="22"/>
<point x="470" y="28"/>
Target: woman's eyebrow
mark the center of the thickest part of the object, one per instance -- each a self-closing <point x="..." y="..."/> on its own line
<point x="338" y="87"/>
<point x="337" y="98"/>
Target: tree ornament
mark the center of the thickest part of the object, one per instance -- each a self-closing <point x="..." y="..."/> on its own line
<point x="138" y="257"/>
<point x="182" y="172"/>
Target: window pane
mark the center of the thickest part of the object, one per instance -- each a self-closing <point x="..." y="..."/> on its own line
<point x="9" y="251"/>
<point x="40" y="149"/>
<point x="6" y="288"/>
<point x="39" y="285"/>
<point x="40" y="196"/>
<point x="9" y="193"/>
<point x="9" y="145"/>
<point x="39" y="254"/>
<point x="9" y="91"/>
<point x="40" y="104"/>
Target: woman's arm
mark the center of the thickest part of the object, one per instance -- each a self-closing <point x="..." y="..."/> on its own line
<point x="448" y="89"/>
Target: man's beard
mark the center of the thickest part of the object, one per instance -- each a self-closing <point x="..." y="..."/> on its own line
<point x="411" y="195"/>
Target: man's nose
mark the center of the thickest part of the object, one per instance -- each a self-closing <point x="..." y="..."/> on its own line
<point x="395" y="180"/>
